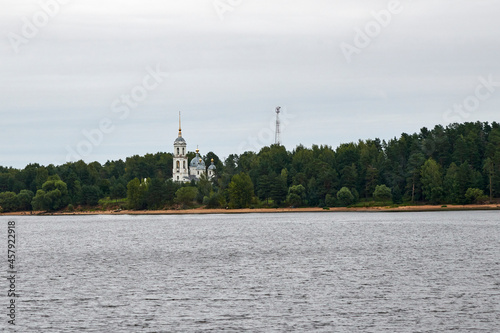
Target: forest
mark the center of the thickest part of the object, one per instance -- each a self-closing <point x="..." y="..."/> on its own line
<point x="457" y="164"/>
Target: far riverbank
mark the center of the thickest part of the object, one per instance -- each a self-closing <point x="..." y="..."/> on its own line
<point x="422" y="208"/>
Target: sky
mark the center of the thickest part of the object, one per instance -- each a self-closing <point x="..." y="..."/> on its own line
<point x="105" y="80"/>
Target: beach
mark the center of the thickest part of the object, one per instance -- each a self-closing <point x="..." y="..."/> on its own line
<point x="419" y="208"/>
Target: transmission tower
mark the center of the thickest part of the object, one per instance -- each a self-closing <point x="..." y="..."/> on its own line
<point x="277" y="139"/>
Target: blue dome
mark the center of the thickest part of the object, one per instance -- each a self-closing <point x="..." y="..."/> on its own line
<point x="196" y="160"/>
<point x="180" y="139"/>
<point x="212" y="166"/>
<point x="201" y="166"/>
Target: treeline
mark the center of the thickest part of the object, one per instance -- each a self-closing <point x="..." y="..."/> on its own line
<point x="459" y="164"/>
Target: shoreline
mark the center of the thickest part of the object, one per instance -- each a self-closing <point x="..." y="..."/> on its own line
<point x="422" y="208"/>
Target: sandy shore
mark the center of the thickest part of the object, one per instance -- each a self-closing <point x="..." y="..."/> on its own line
<point x="422" y="208"/>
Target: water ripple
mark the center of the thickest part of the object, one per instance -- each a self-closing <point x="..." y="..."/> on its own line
<point x="331" y="272"/>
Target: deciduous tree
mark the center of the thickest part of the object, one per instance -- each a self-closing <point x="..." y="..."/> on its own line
<point x="345" y="197"/>
<point x="240" y="191"/>
<point x="432" y="181"/>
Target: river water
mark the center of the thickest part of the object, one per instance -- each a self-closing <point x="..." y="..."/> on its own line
<point x="290" y="272"/>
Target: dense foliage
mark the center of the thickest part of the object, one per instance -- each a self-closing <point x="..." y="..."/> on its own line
<point x="458" y="164"/>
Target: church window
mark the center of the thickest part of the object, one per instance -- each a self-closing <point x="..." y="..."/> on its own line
<point x="182" y="151"/>
<point x="177" y="151"/>
<point x="178" y="165"/>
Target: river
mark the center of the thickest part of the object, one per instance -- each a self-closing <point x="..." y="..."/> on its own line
<point x="288" y="272"/>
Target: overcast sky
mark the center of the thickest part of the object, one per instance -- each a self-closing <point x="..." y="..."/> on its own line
<point x="121" y="71"/>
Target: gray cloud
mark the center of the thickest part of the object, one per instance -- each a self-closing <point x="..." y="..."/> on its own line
<point x="228" y="76"/>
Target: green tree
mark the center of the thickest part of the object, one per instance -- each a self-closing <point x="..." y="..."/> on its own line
<point x="397" y="196"/>
<point x="240" y="191"/>
<point x="313" y="197"/>
<point x="157" y="194"/>
<point x="9" y="201"/>
<point x="496" y="177"/>
<point x="415" y="162"/>
<point x="326" y="179"/>
<point x="330" y="200"/>
<point x="118" y="191"/>
<point x="104" y="187"/>
<point x="489" y="169"/>
<point x="76" y="193"/>
<point x="25" y="197"/>
<point x="279" y="189"/>
<point x="382" y="193"/>
<point x="464" y="181"/>
<point x="475" y="195"/>
<point x="41" y="177"/>
<point x="27" y="176"/>
<point x="349" y="176"/>
<point x="264" y="188"/>
<point x="213" y="200"/>
<point x="170" y="188"/>
<point x="136" y="193"/>
<point x="53" y="195"/>
<point x="345" y="197"/>
<point x="432" y="181"/>
<point x="185" y="196"/>
<point x="296" y="195"/>
<point x="39" y="201"/>
<point x="450" y="184"/>
<point x="204" y="187"/>
<point x="90" y="195"/>
<point x="371" y="180"/>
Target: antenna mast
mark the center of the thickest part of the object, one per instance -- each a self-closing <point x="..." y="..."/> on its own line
<point x="277" y="139"/>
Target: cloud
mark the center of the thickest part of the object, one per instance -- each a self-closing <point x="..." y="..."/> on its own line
<point x="228" y="76"/>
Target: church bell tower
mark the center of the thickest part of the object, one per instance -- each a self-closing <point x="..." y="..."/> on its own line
<point x="180" y="169"/>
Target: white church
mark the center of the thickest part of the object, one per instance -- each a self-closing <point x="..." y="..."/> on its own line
<point x="184" y="172"/>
